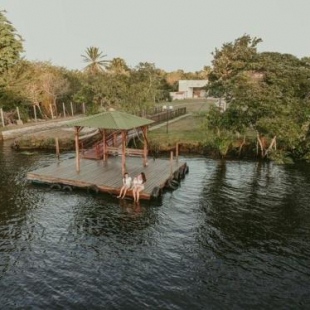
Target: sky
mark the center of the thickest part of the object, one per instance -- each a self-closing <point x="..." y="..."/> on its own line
<point x="171" y="34"/>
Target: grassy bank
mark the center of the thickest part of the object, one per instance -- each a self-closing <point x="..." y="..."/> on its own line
<point x="186" y="131"/>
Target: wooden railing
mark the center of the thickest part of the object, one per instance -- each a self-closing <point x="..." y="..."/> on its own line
<point x="112" y="150"/>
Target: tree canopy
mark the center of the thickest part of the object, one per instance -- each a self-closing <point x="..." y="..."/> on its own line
<point x="267" y="93"/>
<point x="10" y="44"/>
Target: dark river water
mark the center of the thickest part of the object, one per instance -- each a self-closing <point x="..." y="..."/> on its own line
<point x="234" y="235"/>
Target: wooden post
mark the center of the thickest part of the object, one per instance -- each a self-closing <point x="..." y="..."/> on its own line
<point x="123" y="152"/>
<point x="145" y="148"/>
<point x="177" y="152"/>
<point x="19" y="121"/>
<point x="17" y="109"/>
<point x="114" y="139"/>
<point x="2" y="117"/>
<point x="84" y="110"/>
<point x="64" y="109"/>
<point x="171" y="163"/>
<point x="35" y="112"/>
<point x="57" y="147"/>
<point x="104" y="145"/>
<point x="71" y="105"/>
<point x="51" y="109"/>
<point x="77" y="152"/>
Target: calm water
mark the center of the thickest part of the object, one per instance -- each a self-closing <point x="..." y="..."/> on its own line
<point x="235" y="235"/>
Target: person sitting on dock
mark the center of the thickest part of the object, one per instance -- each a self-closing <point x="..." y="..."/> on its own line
<point x="126" y="185"/>
<point x="138" y="186"/>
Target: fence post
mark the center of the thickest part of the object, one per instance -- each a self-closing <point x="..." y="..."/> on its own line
<point x="51" y="109"/>
<point x="171" y="163"/>
<point x="71" y="105"/>
<point x="17" y="110"/>
<point x="64" y="109"/>
<point x="35" y="112"/>
<point x="19" y="121"/>
<point x="57" y="147"/>
<point x="2" y="117"/>
<point x="83" y="107"/>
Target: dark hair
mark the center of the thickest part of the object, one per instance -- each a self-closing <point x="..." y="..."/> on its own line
<point x="143" y="177"/>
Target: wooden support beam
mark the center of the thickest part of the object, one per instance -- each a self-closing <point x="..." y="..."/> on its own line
<point x="104" y="145"/>
<point x="171" y="163"/>
<point x="124" y="136"/>
<point x="145" y="146"/>
<point x="77" y="151"/>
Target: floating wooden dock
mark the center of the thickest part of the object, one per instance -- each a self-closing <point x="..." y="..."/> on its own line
<point x="106" y="176"/>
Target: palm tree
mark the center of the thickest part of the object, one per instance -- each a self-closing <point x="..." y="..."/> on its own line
<point x="95" y="60"/>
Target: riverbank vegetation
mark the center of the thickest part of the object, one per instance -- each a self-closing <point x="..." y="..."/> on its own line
<point x="261" y="106"/>
<point x="266" y="94"/>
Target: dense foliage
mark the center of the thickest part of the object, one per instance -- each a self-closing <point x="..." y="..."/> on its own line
<point x="10" y="49"/>
<point x="10" y="44"/>
<point x="266" y="94"/>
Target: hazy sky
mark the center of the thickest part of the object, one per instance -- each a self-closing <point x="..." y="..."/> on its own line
<point x="172" y="34"/>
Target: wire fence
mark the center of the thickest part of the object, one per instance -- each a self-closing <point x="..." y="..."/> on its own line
<point x="165" y="114"/>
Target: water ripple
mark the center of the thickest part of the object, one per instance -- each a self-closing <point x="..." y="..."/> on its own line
<point x="233" y="235"/>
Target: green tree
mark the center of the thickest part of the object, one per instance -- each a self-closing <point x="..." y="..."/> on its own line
<point x="118" y="66"/>
<point x="14" y="82"/>
<point x="265" y="92"/>
<point x="93" y="92"/>
<point x="229" y="61"/>
<point x="45" y="85"/>
<point x="10" y="44"/>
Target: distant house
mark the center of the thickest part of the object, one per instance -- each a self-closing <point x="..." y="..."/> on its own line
<point x="190" y="89"/>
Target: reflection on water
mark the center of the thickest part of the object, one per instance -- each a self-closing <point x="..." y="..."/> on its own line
<point x="233" y="235"/>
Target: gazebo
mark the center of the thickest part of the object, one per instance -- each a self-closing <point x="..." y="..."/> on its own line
<point x="117" y="121"/>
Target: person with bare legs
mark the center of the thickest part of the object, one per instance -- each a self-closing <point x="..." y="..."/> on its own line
<point x="126" y="185"/>
<point x="138" y="186"/>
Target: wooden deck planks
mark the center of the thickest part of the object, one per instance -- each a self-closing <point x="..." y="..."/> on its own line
<point x="107" y="176"/>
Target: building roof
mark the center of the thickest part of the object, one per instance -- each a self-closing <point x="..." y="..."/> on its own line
<point x="111" y="120"/>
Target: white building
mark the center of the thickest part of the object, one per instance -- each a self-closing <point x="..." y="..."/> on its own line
<point x="190" y="89"/>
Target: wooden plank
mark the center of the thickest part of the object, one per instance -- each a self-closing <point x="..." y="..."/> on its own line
<point x="105" y="175"/>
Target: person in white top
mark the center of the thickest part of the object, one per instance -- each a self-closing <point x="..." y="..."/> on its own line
<point x="126" y="185"/>
<point x="138" y="186"/>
